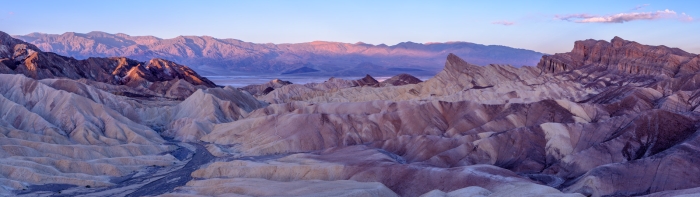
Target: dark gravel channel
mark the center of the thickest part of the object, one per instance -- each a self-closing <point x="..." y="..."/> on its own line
<point x="153" y="180"/>
<point x="176" y="178"/>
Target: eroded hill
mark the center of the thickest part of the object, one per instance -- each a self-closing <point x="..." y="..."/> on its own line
<point x="607" y="119"/>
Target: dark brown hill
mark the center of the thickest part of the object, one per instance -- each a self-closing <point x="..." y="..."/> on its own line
<point x="19" y="57"/>
<point x="623" y="56"/>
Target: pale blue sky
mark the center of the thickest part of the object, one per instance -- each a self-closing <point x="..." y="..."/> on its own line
<point x="535" y="25"/>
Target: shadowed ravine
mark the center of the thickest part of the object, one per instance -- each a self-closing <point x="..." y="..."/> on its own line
<point x="178" y="177"/>
<point x="151" y="181"/>
<point x="148" y="182"/>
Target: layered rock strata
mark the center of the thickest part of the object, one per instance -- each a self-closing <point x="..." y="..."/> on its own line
<point x="607" y="119"/>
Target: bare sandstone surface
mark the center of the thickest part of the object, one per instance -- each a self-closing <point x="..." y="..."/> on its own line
<point x="580" y="126"/>
<point x="607" y="119"/>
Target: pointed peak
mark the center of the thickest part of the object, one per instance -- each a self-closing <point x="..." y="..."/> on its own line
<point x="402" y="79"/>
<point x="454" y="58"/>
<point x="451" y="55"/>
<point x="457" y="64"/>
<point x="617" y="38"/>
<point x="618" y="42"/>
<point x="368" y="81"/>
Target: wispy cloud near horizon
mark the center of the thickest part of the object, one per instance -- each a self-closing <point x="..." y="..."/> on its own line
<point x="506" y="23"/>
<point x="572" y="17"/>
<point x="685" y="17"/>
<point x="625" y="17"/>
<point x="9" y="15"/>
<point x="639" y="7"/>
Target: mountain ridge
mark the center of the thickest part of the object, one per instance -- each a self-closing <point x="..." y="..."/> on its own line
<point x="18" y="57"/>
<point x="624" y="57"/>
<point x="216" y="56"/>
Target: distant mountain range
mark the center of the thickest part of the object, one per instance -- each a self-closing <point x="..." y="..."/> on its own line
<point x="214" y="56"/>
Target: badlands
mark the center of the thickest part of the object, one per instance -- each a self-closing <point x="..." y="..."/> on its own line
<point x="611" y="118"/>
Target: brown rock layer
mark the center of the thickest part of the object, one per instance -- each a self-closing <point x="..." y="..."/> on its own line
<point x="401" y="79"/>
<point x="18" y="57"/>
<point x="624" y="57"/>
<point x="263" y="89"/>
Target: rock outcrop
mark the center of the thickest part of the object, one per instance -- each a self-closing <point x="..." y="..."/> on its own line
<point x="401" y="79"/>
<point x="18" y="57"/>
<point x="263" y="89"/>
<point x="622" y="57"/>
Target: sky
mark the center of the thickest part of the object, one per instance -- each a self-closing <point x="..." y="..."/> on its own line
<point x="544" y="26"/>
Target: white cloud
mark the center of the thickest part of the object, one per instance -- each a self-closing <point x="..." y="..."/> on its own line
<point x="625" y="17"/>
<point x="506" y="23"/>
<point x="570" y="17"/>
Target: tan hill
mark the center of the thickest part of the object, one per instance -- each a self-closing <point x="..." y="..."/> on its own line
<point x="214" y="56"/>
